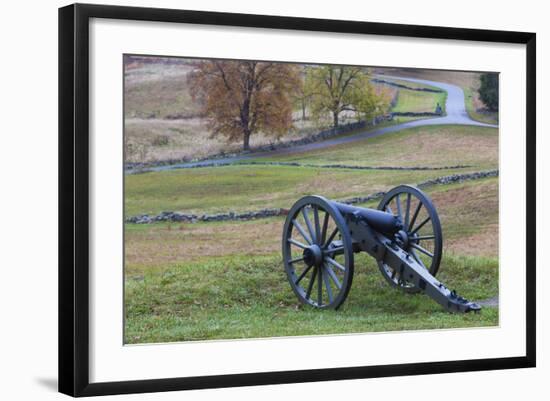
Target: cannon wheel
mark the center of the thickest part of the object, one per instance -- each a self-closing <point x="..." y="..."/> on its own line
<point x="318" y="253"/>
<point x="423" y="239"/>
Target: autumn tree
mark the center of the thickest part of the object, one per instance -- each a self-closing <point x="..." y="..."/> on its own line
<point x="241" y="98"/>
<point x="339" y="89"/>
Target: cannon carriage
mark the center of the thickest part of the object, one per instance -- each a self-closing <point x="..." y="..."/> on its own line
<point x="404" y="236"/>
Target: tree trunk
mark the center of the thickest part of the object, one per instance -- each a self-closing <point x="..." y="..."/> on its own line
<point x="245" y="123"/>
<point x="335" y="117"/>
<point x="303" y="110"/>
<point x="246" y="139"/>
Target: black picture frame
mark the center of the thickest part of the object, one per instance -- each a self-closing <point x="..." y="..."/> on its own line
<point x="74" y="198"/>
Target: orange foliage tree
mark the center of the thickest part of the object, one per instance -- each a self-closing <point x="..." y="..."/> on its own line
<point x="241" y="98"/>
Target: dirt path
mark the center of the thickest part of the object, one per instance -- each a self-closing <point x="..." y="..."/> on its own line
<point x="456" y="114"/>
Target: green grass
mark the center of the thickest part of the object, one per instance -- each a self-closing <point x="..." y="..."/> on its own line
<point x="225" y="279"/>
<point x="252" y="187"/>
<point x="200" y="301"/>
<point x="418" y="102"/>
<point x="434" y="146"/>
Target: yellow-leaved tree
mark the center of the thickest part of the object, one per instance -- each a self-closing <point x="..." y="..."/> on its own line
<point x="241" y="98"/>
<point x="338" y="89"/>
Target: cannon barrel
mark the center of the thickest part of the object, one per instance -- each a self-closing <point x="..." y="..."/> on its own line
<point x="380" y="221"/>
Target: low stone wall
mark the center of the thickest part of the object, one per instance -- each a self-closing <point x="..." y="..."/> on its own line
<point x="319" y="136"/>
<point x="193" y="218"/>
<point x="412" y="114"/>
<point x="451" y="179"/>
<point x="333" y="166"/>
<point x="402" y="86"/>
<point x="264" y="213"/>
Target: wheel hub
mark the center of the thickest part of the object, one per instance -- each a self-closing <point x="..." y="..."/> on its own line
<point x="402" y="239"/>
<point x="313" y="255"/>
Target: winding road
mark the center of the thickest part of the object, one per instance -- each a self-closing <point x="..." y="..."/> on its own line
<point x="456" y="115"/>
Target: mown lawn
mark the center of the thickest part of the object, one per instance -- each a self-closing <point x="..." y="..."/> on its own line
<point x="418" y="102"/>
<point x="226" y="280"/>
<point x="244" y="297"/>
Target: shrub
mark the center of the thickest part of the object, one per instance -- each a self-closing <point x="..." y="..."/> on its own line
<point x="488" y="90"/>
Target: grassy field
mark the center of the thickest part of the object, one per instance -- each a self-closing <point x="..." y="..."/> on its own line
<point x="434" y="146"/>
<point x="245" y="187"/>
<point x="181" y="277"/>
<point x="468" y="81"/>
<point x="418" y="102"/>
<point x="179" y="287"/>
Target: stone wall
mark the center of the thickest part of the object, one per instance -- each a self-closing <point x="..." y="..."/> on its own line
<point x="264" y="213"/>
<point x="402" y="86"/>
<point x="319" y="136"/>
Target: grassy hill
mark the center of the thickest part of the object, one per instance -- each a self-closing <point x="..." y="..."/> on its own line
<point x="218" y="280"/>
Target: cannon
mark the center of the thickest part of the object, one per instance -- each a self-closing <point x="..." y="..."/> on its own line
<point x="403" y="235"/>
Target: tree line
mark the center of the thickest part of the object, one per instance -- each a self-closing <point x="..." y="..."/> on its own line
<point x="241" y="98"/>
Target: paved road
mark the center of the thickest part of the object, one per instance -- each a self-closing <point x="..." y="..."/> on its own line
<point x="456" y="114"/>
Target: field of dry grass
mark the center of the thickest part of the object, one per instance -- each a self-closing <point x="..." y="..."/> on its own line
<point x="163" y="122"/>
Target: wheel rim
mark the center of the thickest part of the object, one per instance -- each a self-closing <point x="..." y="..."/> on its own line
<point x="317" y="252"/>
<point x="421" y="237"/>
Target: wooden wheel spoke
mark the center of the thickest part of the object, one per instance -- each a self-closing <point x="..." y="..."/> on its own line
<point x="333" y="276"/>
<point x="408" y="211"/>
<point x="320" y="286"/>
<point x="331" y="237"/>
<point x="398" y="202"/>
<point x="338" y="249"/>
<point x="324" y="229"/>
<point x="308" y="224"/>
<point x="302" y="275"/>
<point x="424" y="237"/>
<point x="421" y="225"/>
<point x="335" y="263"/>
<point x="302" y="231"/>
<point x="310" y="286"/>
<point x="317" y="226"/>
<point x="298" y="244"/>
<point x="298" y="259"/>
<point x="423" y="250"/>
<point x="327" y="284"/>
<point x="415" y="215"/>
